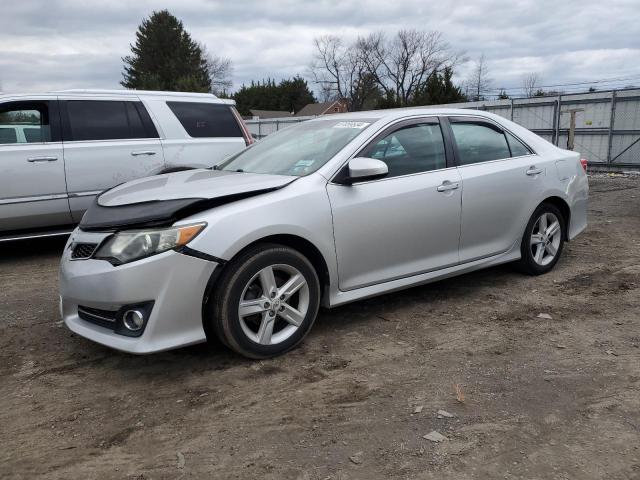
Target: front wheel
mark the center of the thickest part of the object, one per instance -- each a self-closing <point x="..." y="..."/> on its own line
<point x="543" y="240"/>
<point x="266" y="301"/>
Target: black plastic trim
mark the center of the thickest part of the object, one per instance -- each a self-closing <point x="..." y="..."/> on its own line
<point x="113" y="320"/>
<point x="198" y="254"/>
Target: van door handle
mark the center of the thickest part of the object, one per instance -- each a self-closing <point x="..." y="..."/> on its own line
<point x="142" y="152"/>
<point x="533" y="170"/>
<point x="447" y="185"/>
<point x="42" y="159"/>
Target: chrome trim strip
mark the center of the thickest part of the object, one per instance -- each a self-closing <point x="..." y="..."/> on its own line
<point x="94" y="315"/>
<point x="84" y="194"/>
<point x="35" y="198"/>
<point x="35" y="235"/>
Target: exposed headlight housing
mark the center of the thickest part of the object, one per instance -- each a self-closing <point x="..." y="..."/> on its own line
<point x="128" y="246"/>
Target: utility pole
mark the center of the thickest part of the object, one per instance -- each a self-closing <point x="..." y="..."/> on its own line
<point x="572" y="125"/>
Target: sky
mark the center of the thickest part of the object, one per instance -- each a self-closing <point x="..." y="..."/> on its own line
<point x="56" y="44"/>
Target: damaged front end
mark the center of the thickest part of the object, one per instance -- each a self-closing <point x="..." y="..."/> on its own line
<point x="160" y="202"/>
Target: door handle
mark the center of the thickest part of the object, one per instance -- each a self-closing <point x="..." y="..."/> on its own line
<point x="143" y="152"/>
<point x="533" y="170"/>
<point x="447" y="185"/>
<point x="42" y="159"/>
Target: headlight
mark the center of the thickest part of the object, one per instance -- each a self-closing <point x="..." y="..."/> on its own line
<point x="133" y="245"/>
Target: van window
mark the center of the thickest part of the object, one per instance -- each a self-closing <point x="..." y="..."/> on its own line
<point x="106" y="120"/>
<point x="206" y="119"/>
<point x="24" y="122"/>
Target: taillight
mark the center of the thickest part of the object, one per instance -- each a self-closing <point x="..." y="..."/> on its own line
<point x="248" y="139"/>
<point x="584" y="163"/>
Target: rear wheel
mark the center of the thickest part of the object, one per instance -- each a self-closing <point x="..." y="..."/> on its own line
<point x="266" y="301"/>
<point x="543" y="240"/>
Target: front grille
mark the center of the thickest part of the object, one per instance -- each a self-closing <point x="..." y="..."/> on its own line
<point x="83" y="250"/>
<point x="104" y="318"/>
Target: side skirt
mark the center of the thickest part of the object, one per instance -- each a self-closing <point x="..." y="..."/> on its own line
<point x="339" y="297"/>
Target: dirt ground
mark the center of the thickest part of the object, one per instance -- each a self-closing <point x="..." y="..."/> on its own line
<point x="554" y="398"/>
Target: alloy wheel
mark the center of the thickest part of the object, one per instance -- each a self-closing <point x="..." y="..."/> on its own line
<point x="545" y="238"/>
<point x="273" y="304"/>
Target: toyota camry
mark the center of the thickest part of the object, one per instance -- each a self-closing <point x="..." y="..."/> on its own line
<point x="326" y="212"/>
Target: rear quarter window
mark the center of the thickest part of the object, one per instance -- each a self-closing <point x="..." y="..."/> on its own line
<point x="206" y="119"/>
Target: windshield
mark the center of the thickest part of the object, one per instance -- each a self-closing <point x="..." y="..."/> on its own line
<point x="297" y="150"/>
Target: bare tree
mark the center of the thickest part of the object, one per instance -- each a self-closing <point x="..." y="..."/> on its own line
<point x="220" y="71"/>
<point x="341" y="71"/>
<point x="404" y="62"/>
<point x="478" y="83"/>
<point x="530" y="84"/>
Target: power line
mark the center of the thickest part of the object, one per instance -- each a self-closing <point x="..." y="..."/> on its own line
<point x="599" y="81"/>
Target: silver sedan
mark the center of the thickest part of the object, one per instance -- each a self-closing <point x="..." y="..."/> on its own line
<point x="323" y="213"/>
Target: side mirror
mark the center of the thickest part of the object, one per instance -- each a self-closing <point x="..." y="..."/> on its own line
<point x="361" y="169"/>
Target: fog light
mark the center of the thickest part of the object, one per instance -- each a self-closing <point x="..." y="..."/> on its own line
<point x="133" y="320"/>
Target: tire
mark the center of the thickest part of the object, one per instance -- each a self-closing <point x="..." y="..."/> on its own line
<point x="266" y="324"/>
<point x="541" y="251"/>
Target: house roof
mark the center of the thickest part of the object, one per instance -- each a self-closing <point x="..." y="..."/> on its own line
<point x="270" y="113"/>
<point x="315" y="109"/>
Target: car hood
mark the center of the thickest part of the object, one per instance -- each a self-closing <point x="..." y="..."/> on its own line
<point x="164" y="199"/>
<point x="201" y="184"/>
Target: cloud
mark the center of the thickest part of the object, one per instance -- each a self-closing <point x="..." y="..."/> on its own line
<point x="54" y="44"/>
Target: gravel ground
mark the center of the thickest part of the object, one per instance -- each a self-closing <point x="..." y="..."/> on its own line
<point x="530" y="397"/>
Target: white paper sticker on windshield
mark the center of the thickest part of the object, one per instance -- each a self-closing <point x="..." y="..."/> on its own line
<point x="358" y="125"/>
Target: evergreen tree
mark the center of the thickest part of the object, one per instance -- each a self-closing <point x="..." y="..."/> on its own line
<point x="438" y="89"/>
<point x="294" y="94"/>
<point x="289" y="95"/>
<point x="165" y="57"/>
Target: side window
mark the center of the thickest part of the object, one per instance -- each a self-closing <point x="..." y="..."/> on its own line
<point x="518" y="148"/>
<point x="107" y="120"/>
<point x="206" y="119"/>
<point x="479" y="143"/>
<point x="411" y="149"/>
<point x="24" y="122"/>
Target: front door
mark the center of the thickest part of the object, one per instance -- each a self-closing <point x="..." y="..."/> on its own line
<point x="106" y="143"/>
<point x="406" y="223"/>
<point x="33" y="193"/>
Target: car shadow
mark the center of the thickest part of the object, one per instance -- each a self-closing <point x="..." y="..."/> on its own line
<point x="32" y="248"/>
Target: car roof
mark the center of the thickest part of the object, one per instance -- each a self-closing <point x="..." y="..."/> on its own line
<point x="90" y="93"/>
<point x="395" y="113"/>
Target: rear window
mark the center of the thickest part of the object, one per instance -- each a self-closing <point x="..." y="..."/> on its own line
<point x="206" y="119"/>
<point x="479" y="143"/>
<point x="107" y="120"/>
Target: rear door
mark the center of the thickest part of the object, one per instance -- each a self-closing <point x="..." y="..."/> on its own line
<point x="106" y="142"/>
<point x="501" y="177"/>
<point x="32" y="183"/>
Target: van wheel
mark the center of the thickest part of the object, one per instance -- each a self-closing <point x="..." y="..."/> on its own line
<point x="266" y="301"/>
<point x="543" y="240"/>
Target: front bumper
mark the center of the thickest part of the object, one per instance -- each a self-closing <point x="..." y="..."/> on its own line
<point x="174" y="282"/>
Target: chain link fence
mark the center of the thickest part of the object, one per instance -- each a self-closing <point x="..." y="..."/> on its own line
<point x="606" y="125"/>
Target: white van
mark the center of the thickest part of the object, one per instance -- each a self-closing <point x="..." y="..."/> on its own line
<point x="58" y="150"/>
